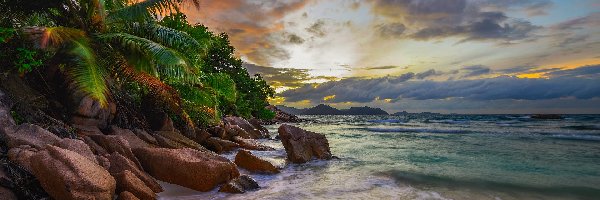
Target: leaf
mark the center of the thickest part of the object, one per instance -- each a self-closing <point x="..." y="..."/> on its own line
<point x="86" y="73"/>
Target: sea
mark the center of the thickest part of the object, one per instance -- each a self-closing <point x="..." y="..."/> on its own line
<point x="434" y="156"/>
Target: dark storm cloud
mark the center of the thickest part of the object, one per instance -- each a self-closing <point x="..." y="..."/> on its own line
<point x="475" y="70"/>
<point x="529" y="7"/>
<point x="427" y="74"/>
<point x="592" y="20"/>
<point x="382" y="67"/>
<point x="434" y="19"/>
<point x="295" y="39"/>
<point x="580" y="83"/>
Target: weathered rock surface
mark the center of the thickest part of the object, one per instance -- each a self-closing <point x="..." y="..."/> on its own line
<point x="5" y="193"/>
<point x="96" y="149"/>
<point x="115" y="143"/>
<point x="258" y="125"/>
<point x="77" y="146"/>
<point x="176" y="140"/>
<point x="29" y="134"/>
<point x="251" y="144"/>
<point x="22" y="156"/>
<point x="219" y="145"/>
<point x="301" y="146"/>
<point x="90" y="113"/>
<point x="253" y="132"/>
<point x="65" y="174"/>
<point x="281" y="116"/>
<point x="245" y="159"/>
<point x="240" y="185"/>
<point x="198" y="170"/>
<point x="127" y="181"/>
<point x="83" y="130"/>
<point x="145" y="136"/>
<point x="127" y="196"/>
<point x="134" y="140"/>
<point x="119" y="164"/>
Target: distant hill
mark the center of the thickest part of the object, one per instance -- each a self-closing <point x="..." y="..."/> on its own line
<point x="323" y="109"/>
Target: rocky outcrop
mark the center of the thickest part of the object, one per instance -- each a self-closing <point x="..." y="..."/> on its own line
<point x="5" y="193"/>
<point x="251" y="144"/>
<point x="29" y="134"/>
<point x="282" y="116"/>
<point x="22" y="156"/>
<point x="245" y="159"/>
<point x="127" y="196"/>
<point x="133" y="140"/>
<point x="119" y="164"/>
<point x="302" y="146"/>
<point x="253" y="132"/>
<point x="65" y="174"/>
<point x="219" y="145"/>
<point x="127" y="181"/>
<point x="115" y="143"/>
<point x="145" y="136"/>
<point x="77" y="146"/>
<point x="176" y="140"/>
<point x="240" y="185"/>
<point x="90" y="113"/>
<point x="198" y="170"/>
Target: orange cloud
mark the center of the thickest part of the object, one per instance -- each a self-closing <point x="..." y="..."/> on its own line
<point x="249" y="24"/>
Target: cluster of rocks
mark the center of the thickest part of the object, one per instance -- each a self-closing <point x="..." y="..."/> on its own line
<point x="105" y="161"/>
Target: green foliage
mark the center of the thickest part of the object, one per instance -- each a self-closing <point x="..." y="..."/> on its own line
<point x="26" y="60"/>
<point x="18" y="118"/>
<point x="265" y="114"/>
<point x="6" y="34"/>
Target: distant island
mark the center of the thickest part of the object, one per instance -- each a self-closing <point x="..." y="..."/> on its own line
<point x="323" y="109"/>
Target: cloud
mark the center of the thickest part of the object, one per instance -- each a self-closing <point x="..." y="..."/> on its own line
<point x="393" y="30"/>
<point x="248" y="23"/>
<point x="317" y="28"/>
<point x="283" y="77"/>
<point x="580" y="83"/>
<point x="591" y="20"/>
<point x="427" y="74"/>
<point x="434" y="19"/>
<point x="382" y="67"/>
<point x="476" y="70"/>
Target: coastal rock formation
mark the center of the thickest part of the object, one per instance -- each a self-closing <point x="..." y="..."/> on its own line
<point x="77" y="146"/>
<point x="253" y="132"/>
<point x="219" y="145"/>
<point x="145" y="136"/>
<point x="22" y="156"/>
<point x="127" y="196"/>
<point x="245" y="159"/>
<point x="65" y="174"/>
<point x="240" y="185"/>
<point x="133" y="140"/>
<point x="301" y="146"/>
<point x="198" y="170"/>
<point x="175" y="140"/>
<point x="251" y="144"/>
<point x="282" y="116"/>
<point x="119" y="164"/>
<point x="5" y="193"/>
<point x="114" y="143"/>
<point x="89" y="112"/>
<point x="29" y="134"/>
<point x="127" y="181"/>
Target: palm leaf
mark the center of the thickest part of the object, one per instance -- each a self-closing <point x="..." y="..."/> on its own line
<point x="144" y="10"/>
<point x="86" y="74"/>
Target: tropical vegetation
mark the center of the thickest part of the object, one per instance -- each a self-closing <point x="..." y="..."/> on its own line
<point x="143" y="50"/>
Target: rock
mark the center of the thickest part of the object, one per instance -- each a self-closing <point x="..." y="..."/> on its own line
<point x="219" y="145"/>
<point x="242" y="123"/>
<point x="87" y="130"/>
<point x="127" y="196"/>
<point x="233" y="131"/>
<point x="251" y="144"/>
<point x="134" y="140"/>
<point x="96" y="149"/>
<point x="258" y="125"/>
<point x="201" y="136"/>
<point x="217" y="131"/>
<point x="6" y="119"/>
<point x="281" y="116"/>
<point x="119" y="164"/>
<point x="77" y="146"/>
<point x="29" y="134"/>
<point x="22" y="156"/>
<point x="166" y="124"/>
<point x="145" y="136"/>
<point x="168" y="143"/>
<point x="246" y="160"/>
<point x="89" y="112"/>
<point x="103" y="161"/>
<point x="301" y="146"/>
<point x="5" y="193"/>
<point x="115" y="143"/>
<point x="240" y="185"/>
<point x="65" y="174"/>
<point x="127" y="181"/>
<point x="180" y="139"/>
<point x="198" y="170"/>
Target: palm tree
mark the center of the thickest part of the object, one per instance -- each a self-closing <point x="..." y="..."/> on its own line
<point x="124" y="33"/>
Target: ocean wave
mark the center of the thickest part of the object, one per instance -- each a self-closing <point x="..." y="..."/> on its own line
<point x="415" y="130"/>
<point x="576" y="137"/>
<point x="582" y="127"/>
<point x="388" y="121"/>
<point x="447" y="121"/>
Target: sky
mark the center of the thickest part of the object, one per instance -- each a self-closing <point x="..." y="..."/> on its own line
<point x="448" y="56"/>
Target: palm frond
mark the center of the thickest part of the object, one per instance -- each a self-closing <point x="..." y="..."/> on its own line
<point x="53" y="36"/>
<point x="168" y="62"/>
<point x="223" y="85"/>
<point x="86" y="74"/>
<point x="166" y="36"/>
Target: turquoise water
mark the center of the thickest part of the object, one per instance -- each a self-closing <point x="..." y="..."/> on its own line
<point x="437" y="157"/>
